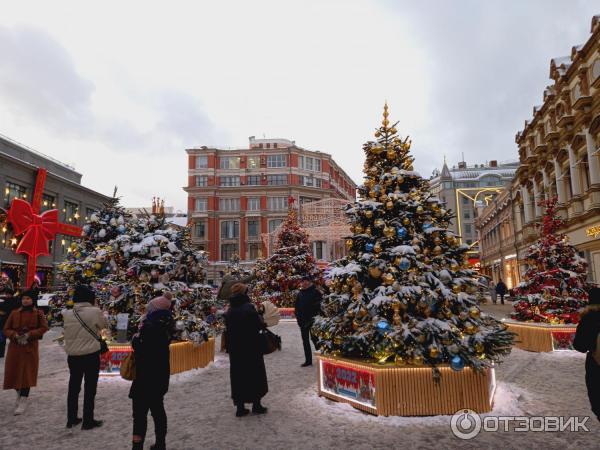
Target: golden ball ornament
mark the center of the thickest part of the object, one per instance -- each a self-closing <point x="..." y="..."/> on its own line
<point x="400" y="179"/>
<point x="391" y="154"/>
<point x="358" y="229"/>
<point x="355" y="325"/>
<point x="389" y="232"/>
<point x="470" y="329"/>
<point x="394" y="170"/>
<point x="393" y="130"/>
<point x="368" y="213"/>
<point x="376" y="150"/>
<point x="362" y="312"/>
<point x="378" y="134"/>
<point x="349" y="244"/>
<point x="97" y="266"/>
<point x="437" y="250"/>
<point x="389" y="205"/>
<point x="377" y="248"/>
<point x="372" y="194"/>
<point x="379" y="223"/>
<point x="420" y="210"/>
<point x="406" y="221"/>
<point x="437" y="240"/>
<point x="474" y="312"/>
<point x="375" y="272"/>
<point x="421" y="339"/>
<point x="454" y="267"/>
<point x="417" y="360"/>
<point x="456" y="288"/>
<point x="434" y="352"/>
<point x="388" y="279"/>
<point x="368" y="231"/>
<point x="479" y="348"/>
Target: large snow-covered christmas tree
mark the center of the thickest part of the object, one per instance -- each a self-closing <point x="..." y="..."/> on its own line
<point x="405" y="292"/>
<point x="279" y="276"/>
<point x="555" y="288"/>
<point x="129" y="261"/>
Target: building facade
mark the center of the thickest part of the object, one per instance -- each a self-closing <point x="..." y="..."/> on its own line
<point x="559" y="151"/>
<point x="63" y="191"/>
<point x="236" y="196"/>
<point x="497" y="241"/>
<point x="464" y="189"/>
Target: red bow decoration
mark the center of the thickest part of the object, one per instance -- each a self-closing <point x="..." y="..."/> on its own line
<point x="37" y="229"/>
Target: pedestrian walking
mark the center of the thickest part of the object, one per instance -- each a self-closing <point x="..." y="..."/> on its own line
<point x="308" y="305"/>
<point x="501" y="290"/>
<point x="25" y="327"/>
<point x="82" y="326"/>
<point x="152" y="372"/>
<point x="587" y="339"/>
<point x="7" y="304"/>
<point x="493" y="292"/>
<point x="245" y="348"/>
<point x="224" y="293"/>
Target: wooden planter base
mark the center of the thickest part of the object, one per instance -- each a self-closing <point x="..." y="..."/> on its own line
<point x="535" y="337"/>
<point x="390" y="390"/>
<point x="183" y="356"/>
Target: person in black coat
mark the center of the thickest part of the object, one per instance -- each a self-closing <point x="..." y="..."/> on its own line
<point x="501" y="290"/>
<point x="151" y="383"/>
<point x="7" y="304"/>
<point x="586" y="339"/>
<point x="308" y="305"/>
<point x="245" y="347"/>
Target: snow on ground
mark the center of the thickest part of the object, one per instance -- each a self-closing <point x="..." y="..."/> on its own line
<point x="201" y="414"/>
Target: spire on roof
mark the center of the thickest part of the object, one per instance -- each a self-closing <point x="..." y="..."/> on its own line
<point x="445" y="175"/>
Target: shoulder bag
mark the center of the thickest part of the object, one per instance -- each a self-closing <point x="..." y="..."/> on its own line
<point x="127" y="369"/>
<point x="270" y="342"/>
<point x="103" y="345"/>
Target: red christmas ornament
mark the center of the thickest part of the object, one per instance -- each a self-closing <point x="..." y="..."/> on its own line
<point x="37" y="229"/>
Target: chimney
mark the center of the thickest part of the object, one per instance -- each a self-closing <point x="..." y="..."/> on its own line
<point x="462" y="165"/>
<point x="493" y="163"/>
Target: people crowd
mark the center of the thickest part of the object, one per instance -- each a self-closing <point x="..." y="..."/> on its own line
<point x="24" y="325"/>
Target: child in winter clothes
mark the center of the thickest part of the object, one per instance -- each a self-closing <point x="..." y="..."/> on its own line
<point x="586" y="340"/>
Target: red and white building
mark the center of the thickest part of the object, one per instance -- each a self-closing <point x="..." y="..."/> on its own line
<point x="235" y="196"/>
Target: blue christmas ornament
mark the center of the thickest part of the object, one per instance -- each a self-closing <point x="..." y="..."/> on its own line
<point x="369" y="247"/>
<point x="121" y="229"/>
<point x="401" y="232"/>
<point x="427" y="225"/>
<point x="457" y="363"/>
<point x="404" y="264"/>
<point x="383" y="326"/>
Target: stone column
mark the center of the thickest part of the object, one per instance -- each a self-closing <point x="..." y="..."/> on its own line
<point x="546" y="184"/>
<point x="560" y="183"/>
<point x="536" y="200"/>
<point x="526" y="204"/>
<point x="593" y="159"/>
<point x="575" y="182"/>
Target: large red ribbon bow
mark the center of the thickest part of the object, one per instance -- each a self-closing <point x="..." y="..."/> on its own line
<point x="38" y="229"/>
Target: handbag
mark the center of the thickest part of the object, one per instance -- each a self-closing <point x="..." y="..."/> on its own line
<point x="127" y="369"/>
<point x="103" y="345"/>
<point x="270" y="341"/>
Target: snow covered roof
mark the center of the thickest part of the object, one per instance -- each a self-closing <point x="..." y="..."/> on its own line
<point x="180" y="221"/>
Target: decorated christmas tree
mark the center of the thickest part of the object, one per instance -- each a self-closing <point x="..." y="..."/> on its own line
<point x="130" y="261"/>
<point x="405" y="292"/>
<point x="555" y="287"/>
<point x="279" y="276"/>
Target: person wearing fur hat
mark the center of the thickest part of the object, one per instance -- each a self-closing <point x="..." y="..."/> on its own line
<point x="25" y="327"/>
<point x="248" y="375"/>
<point x="83" y="352"/>
<point x="587" y="340"/>
<point x="152" y="371"/>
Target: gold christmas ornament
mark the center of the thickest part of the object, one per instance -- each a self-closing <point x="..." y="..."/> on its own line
<point x="474" y="312"/>
<point x="377" y="248"/>
<point x="406" y="221"/>
<point x="375" y="271"/>
<point x="368" y="213"/>
<point x="372" y="194"/>
<point x="400" y="179"/>
<point x="470" y="329"/>
<point x="456" y="288"/>
<point x="358" y="229"/>
<point x="389" y="205"/>
<point x="434" y="352"/>
<point x="355" y="325"/>
<point x="388" y="279"/>
<point x="349" y="244"/>
<point x="399" y="360"/>
<point x="377" y="149"/>
<point x="395" y="170"/>
<point x="391" y="154"/>
<point x="420" y="209"/>
<point x="417" y="360"/>
<point x="437" y="250"/>
<point x="379" y="223"/>
<point x="389" y="232"/>
<point x="437" y="241"/>
<point x="479" y="348"/>
<point x="368" y="231"/>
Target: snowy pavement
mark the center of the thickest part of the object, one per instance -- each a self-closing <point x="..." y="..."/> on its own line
<point x="201" y="415"/>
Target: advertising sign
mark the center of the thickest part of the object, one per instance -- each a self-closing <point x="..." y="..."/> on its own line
<point x="563" y="340"/>
<point x="348" y="382"/>
<point x="110" y="362"/>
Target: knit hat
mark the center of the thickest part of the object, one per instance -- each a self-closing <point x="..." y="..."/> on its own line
<point x="84" y="294"/>
<point x="33" y="295"/>
<point x="594" y="296"/>
<point x="157" y="304"/>
<point x="238" y="289"/>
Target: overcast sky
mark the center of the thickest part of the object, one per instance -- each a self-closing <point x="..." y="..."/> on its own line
<point x="120" y="89"/>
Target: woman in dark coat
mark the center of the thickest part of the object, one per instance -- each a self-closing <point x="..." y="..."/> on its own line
<point x="244" y="344"/>
<point x="586" y="340"/>
<point x="151" y="383"/>
<point x="25" y="327"/>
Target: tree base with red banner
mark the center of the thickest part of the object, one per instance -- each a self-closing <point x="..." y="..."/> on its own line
<point x="183" y="356"/>
<point x="404" y="390"/>
<point x="536" y="337"/>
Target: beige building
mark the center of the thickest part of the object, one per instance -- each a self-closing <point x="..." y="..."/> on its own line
<point x="497" y="244"/>
<point x="560" y="156"/>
